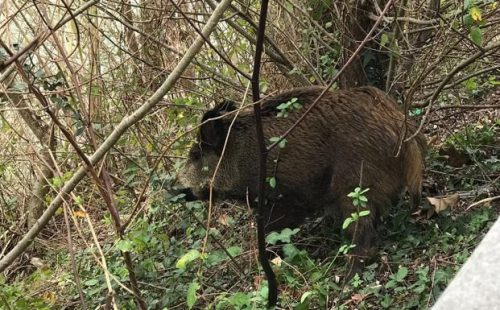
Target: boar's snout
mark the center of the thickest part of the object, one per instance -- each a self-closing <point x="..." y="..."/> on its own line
<point x="192" y="183"/>
<point x="188" y="194"/>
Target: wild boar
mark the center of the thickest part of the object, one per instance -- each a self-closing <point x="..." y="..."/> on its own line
<point x="350" y="137"/>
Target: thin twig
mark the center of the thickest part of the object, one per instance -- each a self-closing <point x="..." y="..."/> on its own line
<point x="207" y="40"/>
<point x="445" y="81"/>
<point x="485" y="200"/>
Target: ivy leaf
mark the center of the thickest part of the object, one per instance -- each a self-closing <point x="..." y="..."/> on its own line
<point x="124" y="245"/>
<point x="386" y="301"/>
<point x="476" y="35"/>
<point x="240" y="300"/>
<point x="402" y="272"/>
<point x="284" y="236"/>
<point x="467" y="3"/>
<point x="290" y="250"/>
<point x="187" y="258"/>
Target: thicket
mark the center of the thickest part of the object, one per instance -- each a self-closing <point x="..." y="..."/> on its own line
<point x="120" y="86"/>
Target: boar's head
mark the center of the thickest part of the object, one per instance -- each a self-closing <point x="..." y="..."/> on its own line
<point x="205" y="155"/>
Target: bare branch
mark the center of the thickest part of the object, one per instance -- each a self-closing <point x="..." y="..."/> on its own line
<point x="120" y="129"/>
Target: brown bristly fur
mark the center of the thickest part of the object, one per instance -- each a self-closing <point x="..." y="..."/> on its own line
<point x="351" y="138"/>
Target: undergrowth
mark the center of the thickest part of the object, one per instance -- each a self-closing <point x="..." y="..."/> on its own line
<point x="179" y="265"/>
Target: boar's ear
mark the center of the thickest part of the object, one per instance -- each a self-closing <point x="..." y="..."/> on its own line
<point x="225" y="106"/>
<point x="212" y="135"/>
<point x="213" y="132"/>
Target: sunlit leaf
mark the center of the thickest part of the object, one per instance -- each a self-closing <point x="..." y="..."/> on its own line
<point x="305" y="296"/>
<point x="80" y="213"/>
<point x="347" y="222"/>
<point x="475" y="13"/>
<point x="364" y="213"/>
<point x="438" y="205"/>
<point x="191" y="294"/>
<point x="187" y="258"/>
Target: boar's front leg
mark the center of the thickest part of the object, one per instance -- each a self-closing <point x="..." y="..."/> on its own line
<point x="284" y="214"/>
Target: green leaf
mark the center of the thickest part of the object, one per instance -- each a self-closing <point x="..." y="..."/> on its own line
<point x="356" y="281"/>
<point x="272" y="182"/>
<point x="240" y="300"/>
<point x="263" y="86"/>
<point x="124" y="245"/>
<point x="384" y="39"/>
<point x="282" y="143"/>
<point x="364" y="213"/>
<point x="187" y="258"/>
<point x="91" y="282"/>
<point x="57" y="182"/>
<point x="344" y="249"/>
<point x="470" y="84"/>
<point x="493" y="80"/>
<point x="390" y="284"/>
<point x="234" y="250"/>
<point x="386" y="301"/>
<point x="354" y="216"/>
<point x="347" y="222"/>
<point x="219" y="256"/>
<point x="191" y="294"/>
<point x="264" y="291"/>
<point x="305" y="295"/>
<point x="284" y="236"/>
<point x="402" y="273"/>
<point x="476" y="35"/>
<point x="290" y="250"/>
<point x="283" y="106"/>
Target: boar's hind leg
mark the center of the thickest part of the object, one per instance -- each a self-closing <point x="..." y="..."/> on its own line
<point x="361" y="234"/>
